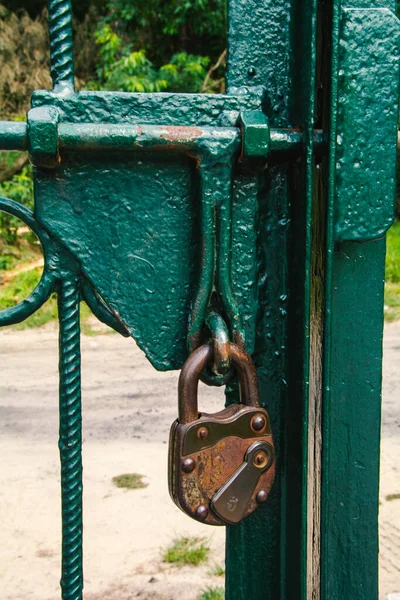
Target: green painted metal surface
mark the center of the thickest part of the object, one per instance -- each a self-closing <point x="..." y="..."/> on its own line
<point x="70" y="441"/>
<point x="256" y="134"/>
<point x="353" y="321"/>
<point x="243" y="216"/>
<point x="368" y="91"/>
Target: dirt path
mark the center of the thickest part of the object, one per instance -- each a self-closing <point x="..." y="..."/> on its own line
<point x="128" y="409"/>
<point x="6" y="276"/>
<point x="389" y="514"/>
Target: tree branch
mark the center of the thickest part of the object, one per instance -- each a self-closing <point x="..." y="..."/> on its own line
<point x="211" y="71"/>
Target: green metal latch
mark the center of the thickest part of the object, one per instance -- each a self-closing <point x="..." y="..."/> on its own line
<point x="256" y="137"/>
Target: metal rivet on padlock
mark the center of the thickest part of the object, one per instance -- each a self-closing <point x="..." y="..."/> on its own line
<point x="222" y="465"/>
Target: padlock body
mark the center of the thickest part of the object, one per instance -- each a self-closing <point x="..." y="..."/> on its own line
<point x="205" y="453"/>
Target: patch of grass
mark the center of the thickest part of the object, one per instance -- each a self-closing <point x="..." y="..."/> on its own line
<point x="393" y="254"/>
<point x="392" y="301"/>
<point x="187" y="551"/>
<point x="213" y="593"/>
<point x="392" y="497"/>
<point x="130" y="481"/>
<point x="21" y="285"/>
<point x="24" y="252"/>
<point x="18" y="288"/>
<point x="392" y="274"/>
<point x="217" y="571"/>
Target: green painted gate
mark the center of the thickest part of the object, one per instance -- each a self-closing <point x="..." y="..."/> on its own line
<point x="269" y="204"/>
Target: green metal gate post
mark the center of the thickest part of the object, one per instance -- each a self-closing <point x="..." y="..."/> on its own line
<point x="360" y="210"/>
<point x="270" y="202"/>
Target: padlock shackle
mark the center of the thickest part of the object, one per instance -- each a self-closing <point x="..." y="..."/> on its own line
<point x="190" y="375"/>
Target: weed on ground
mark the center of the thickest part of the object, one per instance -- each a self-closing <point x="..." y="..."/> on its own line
<point x="130" y="481"/>
<point x="217" y="571"/>
<point x="393" y="497"/>
<point x="187" y="551"/>
<point x="213" y="593"/>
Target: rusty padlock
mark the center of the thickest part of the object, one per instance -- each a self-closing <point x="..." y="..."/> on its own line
<point x="222" y="465"/>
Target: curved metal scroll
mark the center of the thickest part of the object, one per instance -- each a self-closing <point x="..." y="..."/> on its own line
<point x="45" y="287"/>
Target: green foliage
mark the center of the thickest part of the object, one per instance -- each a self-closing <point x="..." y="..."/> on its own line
<point x="154" y="46"/>
<point x="20" y="189"/>
<point x="132" y="72"/>
<point x="393" y="254"/>
<point x="392" y="301"/>
<point x="110" y="44"/>
<point x="128" y="45"/>
<point x="185" y="72"/>
<point x="130" y="481"/>
<point x="167" y="28"/>
<point x="187" y="551"/>
<point x="18" y="288"/>
<point x="213" y="593"/>
<point x="15" y="238"/>
<point x="120" y="68"/>
<point x="392" y="274"/>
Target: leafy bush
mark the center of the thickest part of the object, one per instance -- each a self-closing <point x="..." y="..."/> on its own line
<point x="185" y="72"/>
<point x="121" y="68"/>
<point x="20" y="189"/>
<point x="167" y="28"/>
<point x="16" y="240"/>
<point x="153" y="46"/>
<point x="140" y="46"/>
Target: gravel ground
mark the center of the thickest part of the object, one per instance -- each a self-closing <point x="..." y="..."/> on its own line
<point x="128" y="408"/>
<point x="389" y="516"/>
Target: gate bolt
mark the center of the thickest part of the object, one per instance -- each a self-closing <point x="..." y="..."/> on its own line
<point x="43" y="137"/>
<point x="188" y="465"/>
<point x="256" y="134"/>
